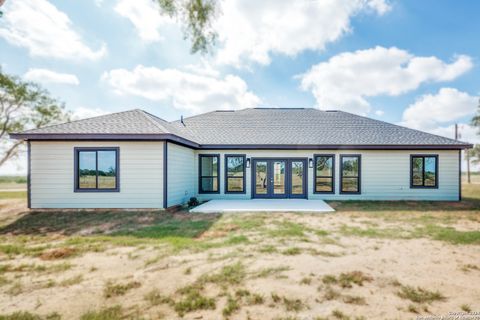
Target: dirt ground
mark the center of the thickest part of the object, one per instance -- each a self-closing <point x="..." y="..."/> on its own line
<point x="365" y="261"/>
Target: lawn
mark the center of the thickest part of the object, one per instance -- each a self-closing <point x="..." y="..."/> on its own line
<point x="368" y="260"/>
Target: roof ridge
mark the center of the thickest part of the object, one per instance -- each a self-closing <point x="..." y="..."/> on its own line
<point x="148" y="116"/>
<point x="84" y="119"/>
<point x="403" y="127"/>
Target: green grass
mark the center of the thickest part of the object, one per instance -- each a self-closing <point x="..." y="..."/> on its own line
<point x="231" y="306"/>
<point x="229" y="275"/>
<point x="112" y="313"/>
<point x="287" y="229"/>
<point x="13" y="194"/>
<point x="292" y="251"/>
<point x="432" y="231"/>
<point x="25" y="315"/>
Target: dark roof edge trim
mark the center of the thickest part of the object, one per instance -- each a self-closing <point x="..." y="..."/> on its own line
<point x="338" y="147"/>
<point x="104" y="137"/>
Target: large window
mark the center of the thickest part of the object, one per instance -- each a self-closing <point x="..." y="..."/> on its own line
<point x="96" y="169"/>
<point x="324" y="173"/>
<point x="350" y="174"/>
<point x="424" y="171"/>
<point x="234" y="173"/>
<point x="209" y="173"/>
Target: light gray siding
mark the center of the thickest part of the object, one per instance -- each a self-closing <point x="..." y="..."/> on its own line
<point x="385" y="174"/>
<point x="52" y="176"/>
<point x="182" y="177"/>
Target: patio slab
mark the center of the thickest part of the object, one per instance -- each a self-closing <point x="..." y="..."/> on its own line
<point x="271" y="205"/>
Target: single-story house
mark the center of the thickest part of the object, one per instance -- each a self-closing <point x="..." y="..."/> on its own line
<point x="134" y="159"/>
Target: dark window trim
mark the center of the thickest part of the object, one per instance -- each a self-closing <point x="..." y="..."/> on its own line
<point x="315" y="156"/>
<point x="76" y="151"/>
<point x="200" y="156"/>
<point x="244" y="156"/>
<point x="359" y="156"/>
<point x="423" y="168"/>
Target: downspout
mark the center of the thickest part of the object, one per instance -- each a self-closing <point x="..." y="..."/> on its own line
<point x="165" y="174"/>
<point x="29" y="192"/>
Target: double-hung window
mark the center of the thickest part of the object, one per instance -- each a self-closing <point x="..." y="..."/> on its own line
<point x="209" y="173"/>
<point x="324" y="173"/>
<point x="424" y="171"/>
<point x="96" y="169"/>
<point x="350" y="170"/>
<point x="234" y="173"/>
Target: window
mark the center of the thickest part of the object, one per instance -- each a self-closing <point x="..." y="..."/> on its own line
<point x="350" y="174"/>
<point x="96" y="169"/>
<point x="324" y="173"/>
<point x="234" y="173"/>
<point x="424" y="171"/>
<point x="209" y="173"/>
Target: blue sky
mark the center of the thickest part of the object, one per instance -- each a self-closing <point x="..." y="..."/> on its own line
<point x="413" y="63"/>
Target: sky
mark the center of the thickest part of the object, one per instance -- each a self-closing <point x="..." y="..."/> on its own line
<point x="412" y="63"/>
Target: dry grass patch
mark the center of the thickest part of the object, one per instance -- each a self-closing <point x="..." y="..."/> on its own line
<point x="346" y="279"/>
<point x="59" y="253"/>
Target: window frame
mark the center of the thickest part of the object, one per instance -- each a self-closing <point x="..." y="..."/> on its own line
<point x="423" y="156"/>
<point x="244" y="156"/>
<point x="76" y="173"/>
<point x="359" y="177"/>
<point x="208" y="155"/>
<point x="315" y="156"/>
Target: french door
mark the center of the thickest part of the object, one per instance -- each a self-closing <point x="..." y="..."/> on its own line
<point x="279" y="178"/>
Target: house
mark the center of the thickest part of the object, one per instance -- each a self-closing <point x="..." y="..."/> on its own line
<point x="134" y="159"/>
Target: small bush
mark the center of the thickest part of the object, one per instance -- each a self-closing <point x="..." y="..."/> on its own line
<point x="111" y="289"/>
<point x="193" y="202"/>
<point x="419" y="295"/>
<point x="231" y="306"/>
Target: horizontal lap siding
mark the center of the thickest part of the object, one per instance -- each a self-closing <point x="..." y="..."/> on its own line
<point x="182" y="176"/>
<point x="385" y="174"/>
<point x="52" y="176"/>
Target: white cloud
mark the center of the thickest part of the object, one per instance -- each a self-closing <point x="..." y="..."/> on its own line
<point x="45" y="31"/>
<point x="186" y="91"/>
<point x="252" y="30"/>
<point x="49" y="76"/>
<point x="346" y="80"/>
<point x="430" y="111"/>
<point x="84" y="113"/>
<point x="145" y="16"/>
<point x="379" y="113"/>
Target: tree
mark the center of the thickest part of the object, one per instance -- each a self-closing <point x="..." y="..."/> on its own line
<point x="23" y="106"/>
<point x="476" y="118"/>
<point x="196" y="17"/>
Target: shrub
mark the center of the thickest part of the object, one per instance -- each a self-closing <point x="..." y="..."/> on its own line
<point x="193" y="202"/>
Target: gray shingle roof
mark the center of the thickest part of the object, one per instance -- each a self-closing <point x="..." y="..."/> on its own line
<point x="127" y="122"/>
<point x="302" y="126"/>
<point x="259" y="126"/>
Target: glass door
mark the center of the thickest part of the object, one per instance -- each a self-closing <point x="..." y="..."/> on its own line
<point x="298" y="181"/>
<point x="261" y="179"/>
<point x="278" y="179"/>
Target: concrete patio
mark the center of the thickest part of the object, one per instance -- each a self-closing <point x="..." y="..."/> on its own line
<point x="256" y="205"/>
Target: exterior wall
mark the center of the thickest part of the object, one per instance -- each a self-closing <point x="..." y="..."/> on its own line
<point x="182" y="177"/>
<point x="52" y="176"/>
<point x="385" y="174"/>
